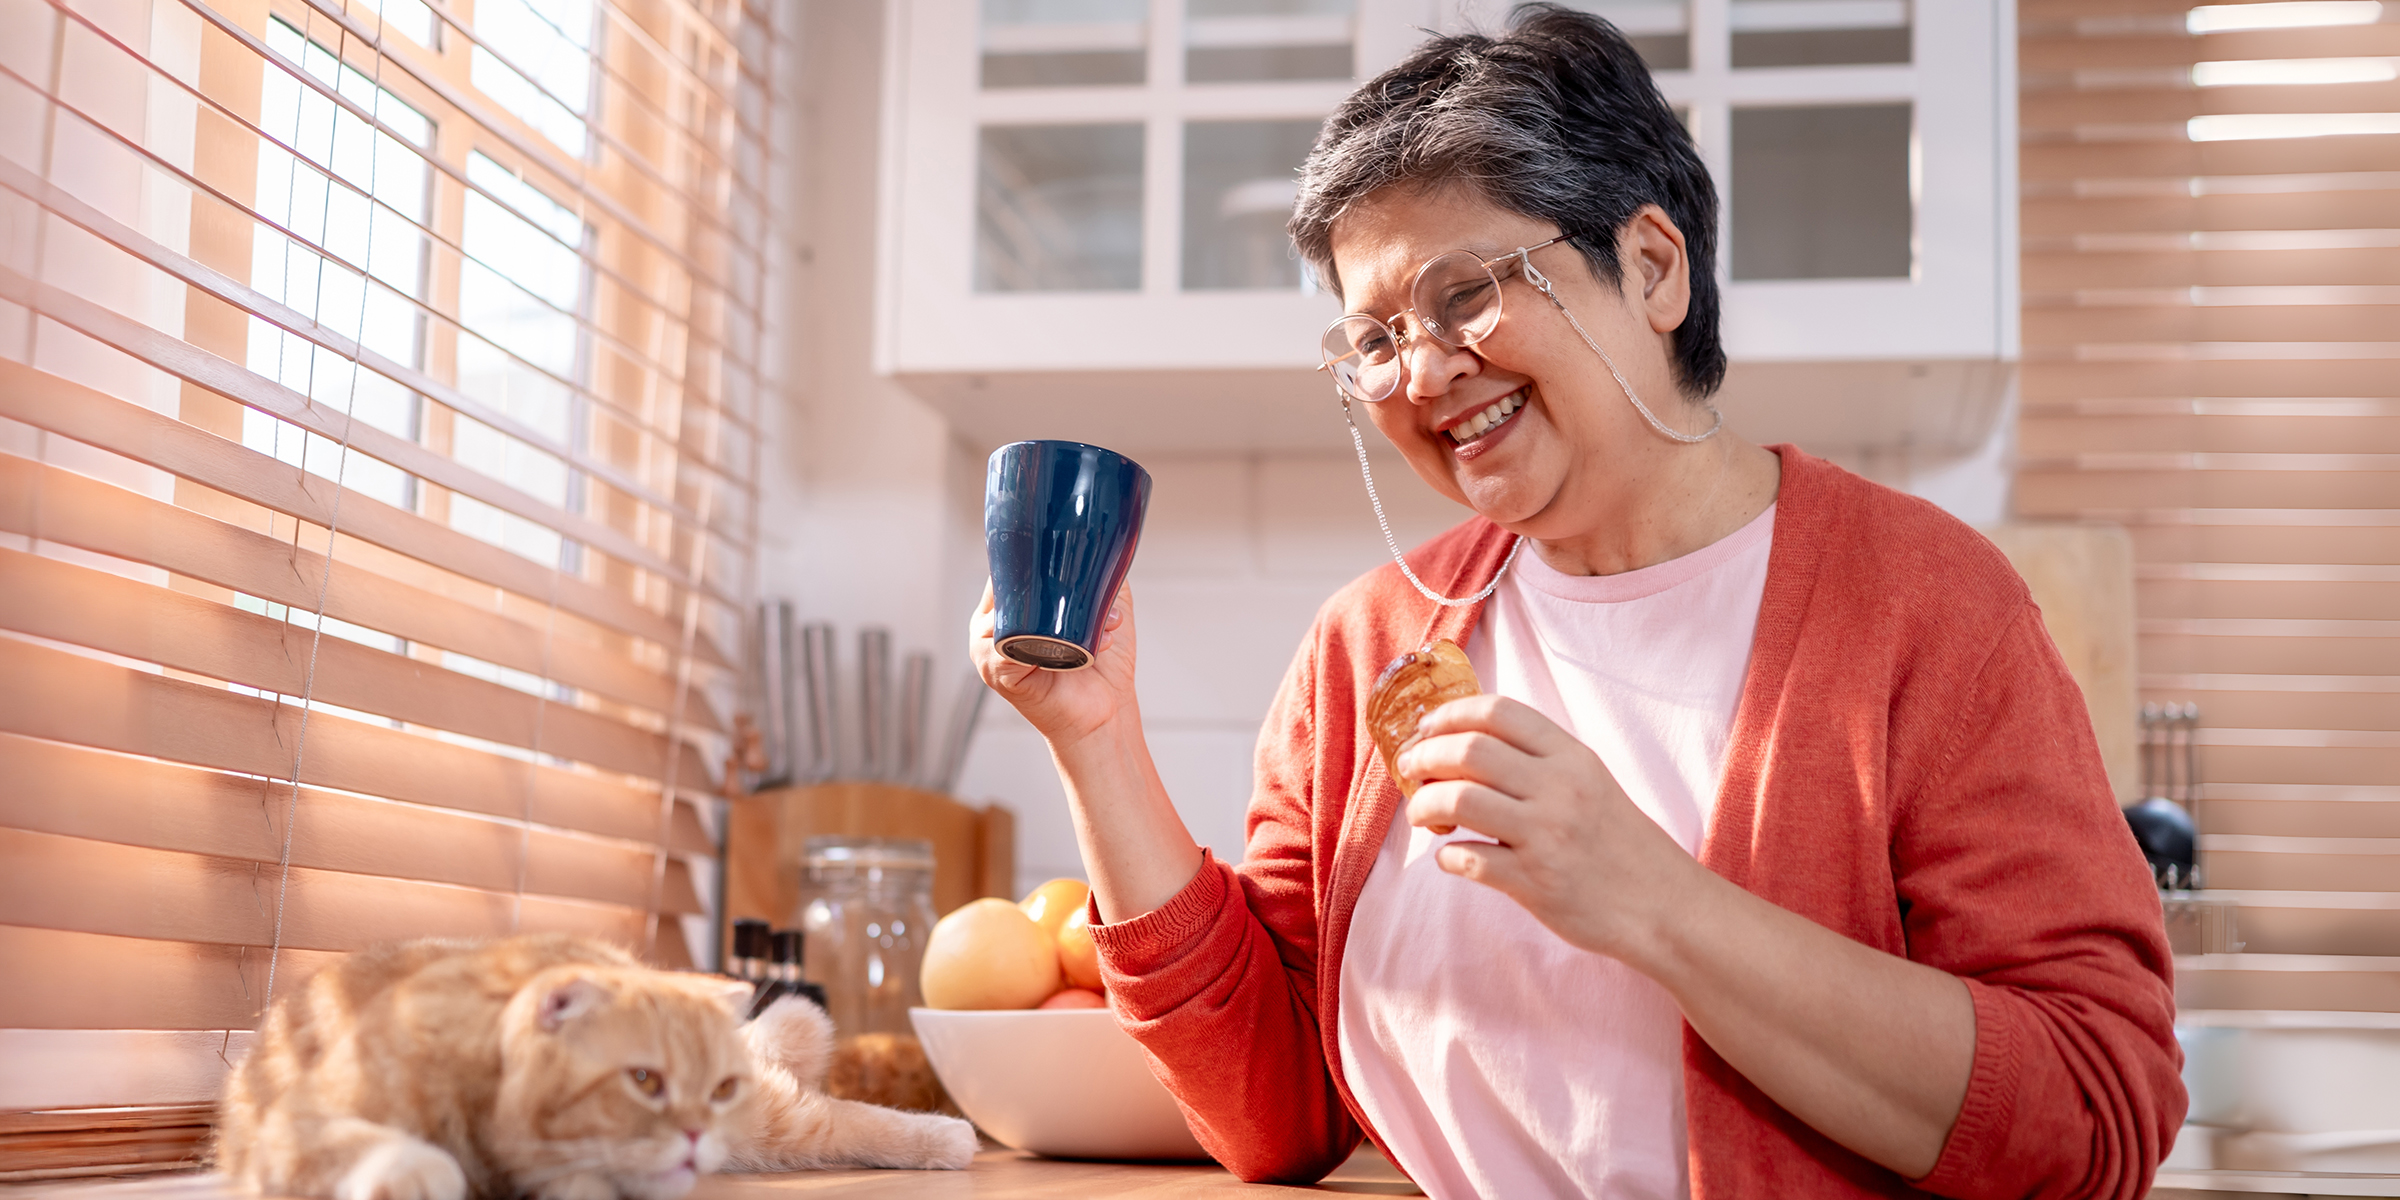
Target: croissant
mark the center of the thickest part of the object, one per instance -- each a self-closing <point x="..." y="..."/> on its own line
<point x="1416" y="683"/>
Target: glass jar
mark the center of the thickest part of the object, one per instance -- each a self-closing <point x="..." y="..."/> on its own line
<point x="866" y="907"/>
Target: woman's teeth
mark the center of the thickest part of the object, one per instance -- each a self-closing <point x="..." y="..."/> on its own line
<point x="1483" y="422"/>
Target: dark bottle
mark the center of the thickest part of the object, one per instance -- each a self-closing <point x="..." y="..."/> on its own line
<point x="751" y="948"/>
<point x="784" y="974"/>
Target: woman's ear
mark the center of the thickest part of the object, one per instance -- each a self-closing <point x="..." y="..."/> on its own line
<point x="1659" y="263"/>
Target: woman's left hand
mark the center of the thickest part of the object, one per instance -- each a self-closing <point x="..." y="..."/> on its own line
<point x="1574" y="849"/>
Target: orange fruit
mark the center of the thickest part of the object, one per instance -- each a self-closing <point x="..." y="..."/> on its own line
<point x="1076" y="997"/>
<point x="1050" y="903"/>
<point x="1078" y="957"/>
<point x="988" y="954"/>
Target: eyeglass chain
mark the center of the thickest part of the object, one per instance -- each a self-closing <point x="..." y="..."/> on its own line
<point x="1533" y="276"/>
<point x="1359" y="440"/>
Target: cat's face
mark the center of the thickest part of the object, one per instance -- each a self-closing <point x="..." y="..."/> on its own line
<point x="630" y="1077"/>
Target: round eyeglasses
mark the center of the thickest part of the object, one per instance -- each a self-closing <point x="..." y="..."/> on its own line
<point x="1455" y="298"/>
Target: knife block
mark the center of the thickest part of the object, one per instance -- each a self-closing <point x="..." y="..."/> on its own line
<point x="974" y="849"/>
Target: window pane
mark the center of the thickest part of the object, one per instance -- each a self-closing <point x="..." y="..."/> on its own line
<point x="1247" y="41"/>
<point x="1064" y="43"/>
<point x="1660" y="30"/>
<point x="1821" y="193"/>
<point x="1239" y="180"/>
<point x="1059" y="208"/>
<point x="547" y="80"/>
<point x="519" y="290"/>
<point x="1810" y="33"/>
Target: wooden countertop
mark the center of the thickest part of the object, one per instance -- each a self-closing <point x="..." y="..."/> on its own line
<point x="996" y="1175"/>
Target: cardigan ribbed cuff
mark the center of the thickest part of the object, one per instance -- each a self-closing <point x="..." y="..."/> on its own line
<point x="1137" y="955"/>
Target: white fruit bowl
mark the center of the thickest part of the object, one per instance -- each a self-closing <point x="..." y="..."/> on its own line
<point x="1062" y="1082"/>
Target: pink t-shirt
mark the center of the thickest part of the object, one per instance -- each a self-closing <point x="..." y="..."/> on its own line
<point x="1493" y="1058"/>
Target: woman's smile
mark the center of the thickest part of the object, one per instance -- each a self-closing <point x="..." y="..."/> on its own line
<point x="1474" y="435"/>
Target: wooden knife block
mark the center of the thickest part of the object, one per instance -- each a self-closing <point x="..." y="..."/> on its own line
<point x="974" y="849"/>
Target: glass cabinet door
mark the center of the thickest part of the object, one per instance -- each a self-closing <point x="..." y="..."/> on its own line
<point x="1064" y="43"/>
<point x="1819" y="33"/>
<point x="1058" y="208"/>
<point x="1239" y="181"/>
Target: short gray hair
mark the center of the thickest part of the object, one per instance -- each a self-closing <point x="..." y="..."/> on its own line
<point x="1557" y="120"/>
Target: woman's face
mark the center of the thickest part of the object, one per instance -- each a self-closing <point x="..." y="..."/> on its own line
<point x="1560" y="459"/>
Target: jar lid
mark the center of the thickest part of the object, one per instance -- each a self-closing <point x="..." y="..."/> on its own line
<point x="890" y="854"/>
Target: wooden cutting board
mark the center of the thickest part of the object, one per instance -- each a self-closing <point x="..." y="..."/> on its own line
<point x="2082" y="577"/>
<point x="974" y="849"/>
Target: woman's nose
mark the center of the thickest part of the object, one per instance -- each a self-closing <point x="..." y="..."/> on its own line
<point x="1433" y="365"/>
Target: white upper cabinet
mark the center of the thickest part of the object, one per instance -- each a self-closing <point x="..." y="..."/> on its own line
<point x="1085" y="199"/>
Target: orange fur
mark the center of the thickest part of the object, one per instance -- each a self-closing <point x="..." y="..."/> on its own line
<point x="547" y="1066"/>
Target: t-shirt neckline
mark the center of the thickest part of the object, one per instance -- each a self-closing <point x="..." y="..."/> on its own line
<point x="1642" y="582"/>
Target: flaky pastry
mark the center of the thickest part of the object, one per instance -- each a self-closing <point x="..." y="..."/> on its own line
<point x="1416" y="683"/>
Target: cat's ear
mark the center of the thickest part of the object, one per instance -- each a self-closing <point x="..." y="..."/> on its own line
<point x="566" y="1001"/>
<point x="732" y="993"/>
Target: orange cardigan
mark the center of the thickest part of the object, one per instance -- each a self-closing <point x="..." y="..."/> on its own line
<point x="1911" y="766"/>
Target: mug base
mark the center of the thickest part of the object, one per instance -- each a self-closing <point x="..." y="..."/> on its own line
<point x="1048" y="653"/>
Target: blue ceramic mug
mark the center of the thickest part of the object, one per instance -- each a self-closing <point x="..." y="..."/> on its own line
<point x="1060" y="521"/>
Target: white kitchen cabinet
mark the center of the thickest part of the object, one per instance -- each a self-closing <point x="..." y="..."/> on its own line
<point x="1084" y="199"/>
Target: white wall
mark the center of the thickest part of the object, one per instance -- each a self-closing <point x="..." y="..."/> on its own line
<point x="857" y="524"/>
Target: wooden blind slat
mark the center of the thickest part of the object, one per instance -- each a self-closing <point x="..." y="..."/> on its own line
<point x="95" y="887"/>
<point x="2316" y="600"/>
<point x="2045" y="377"/>
<point x="77" y="792"/>
<point x="2067" y="107"/>
<point x="64" y="697"/>
<point x="56" y="505"/>
<point x="2054" y="155"/>
<point x="2266" y="544"/>
<point x="2063" y="493"/>
<point x="2361" y="209"/>
<point x="2252" y="653"/>
<point x="85" y="607"/>
<point x="2048" y="273"/>
<point x="66" y="980"/>
<point x="2042" y="437"/>
<point x="2185" y="322"/>
<point x="95" y="418"/>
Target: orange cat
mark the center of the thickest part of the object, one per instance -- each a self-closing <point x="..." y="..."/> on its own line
<point x="547" y="1066"/>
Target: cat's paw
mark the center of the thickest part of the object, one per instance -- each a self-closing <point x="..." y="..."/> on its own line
<point x="949" y="1143"/>
<point x="403" y="1169"/>
<point x="795" y="1034"/>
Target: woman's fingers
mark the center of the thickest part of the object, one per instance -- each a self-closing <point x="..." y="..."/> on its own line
<point x="1497" y="867"/>
<point x="1470" y="754"/>
<point x="1456" y="802"/>
<point x="1518" y="724"/>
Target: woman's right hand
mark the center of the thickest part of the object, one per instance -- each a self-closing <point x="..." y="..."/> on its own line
<point x="1065" y="706"/>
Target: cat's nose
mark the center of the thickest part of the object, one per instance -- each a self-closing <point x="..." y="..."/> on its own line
<point x="694" y="1134"/>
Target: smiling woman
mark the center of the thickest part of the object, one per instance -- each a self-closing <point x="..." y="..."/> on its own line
<point x="1776" y="856"/>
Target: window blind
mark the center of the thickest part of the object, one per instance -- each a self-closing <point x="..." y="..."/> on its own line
<point x="378" y="444"/>
<point x="2211" y="228"/>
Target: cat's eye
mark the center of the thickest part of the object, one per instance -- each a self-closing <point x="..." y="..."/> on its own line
<point x="646" y="1081"/>
<point x="725" y="1090"/>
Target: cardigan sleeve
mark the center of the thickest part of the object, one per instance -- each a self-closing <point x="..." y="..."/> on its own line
<point x="2017" y="873"/>
<point x="1219" y="984"/>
